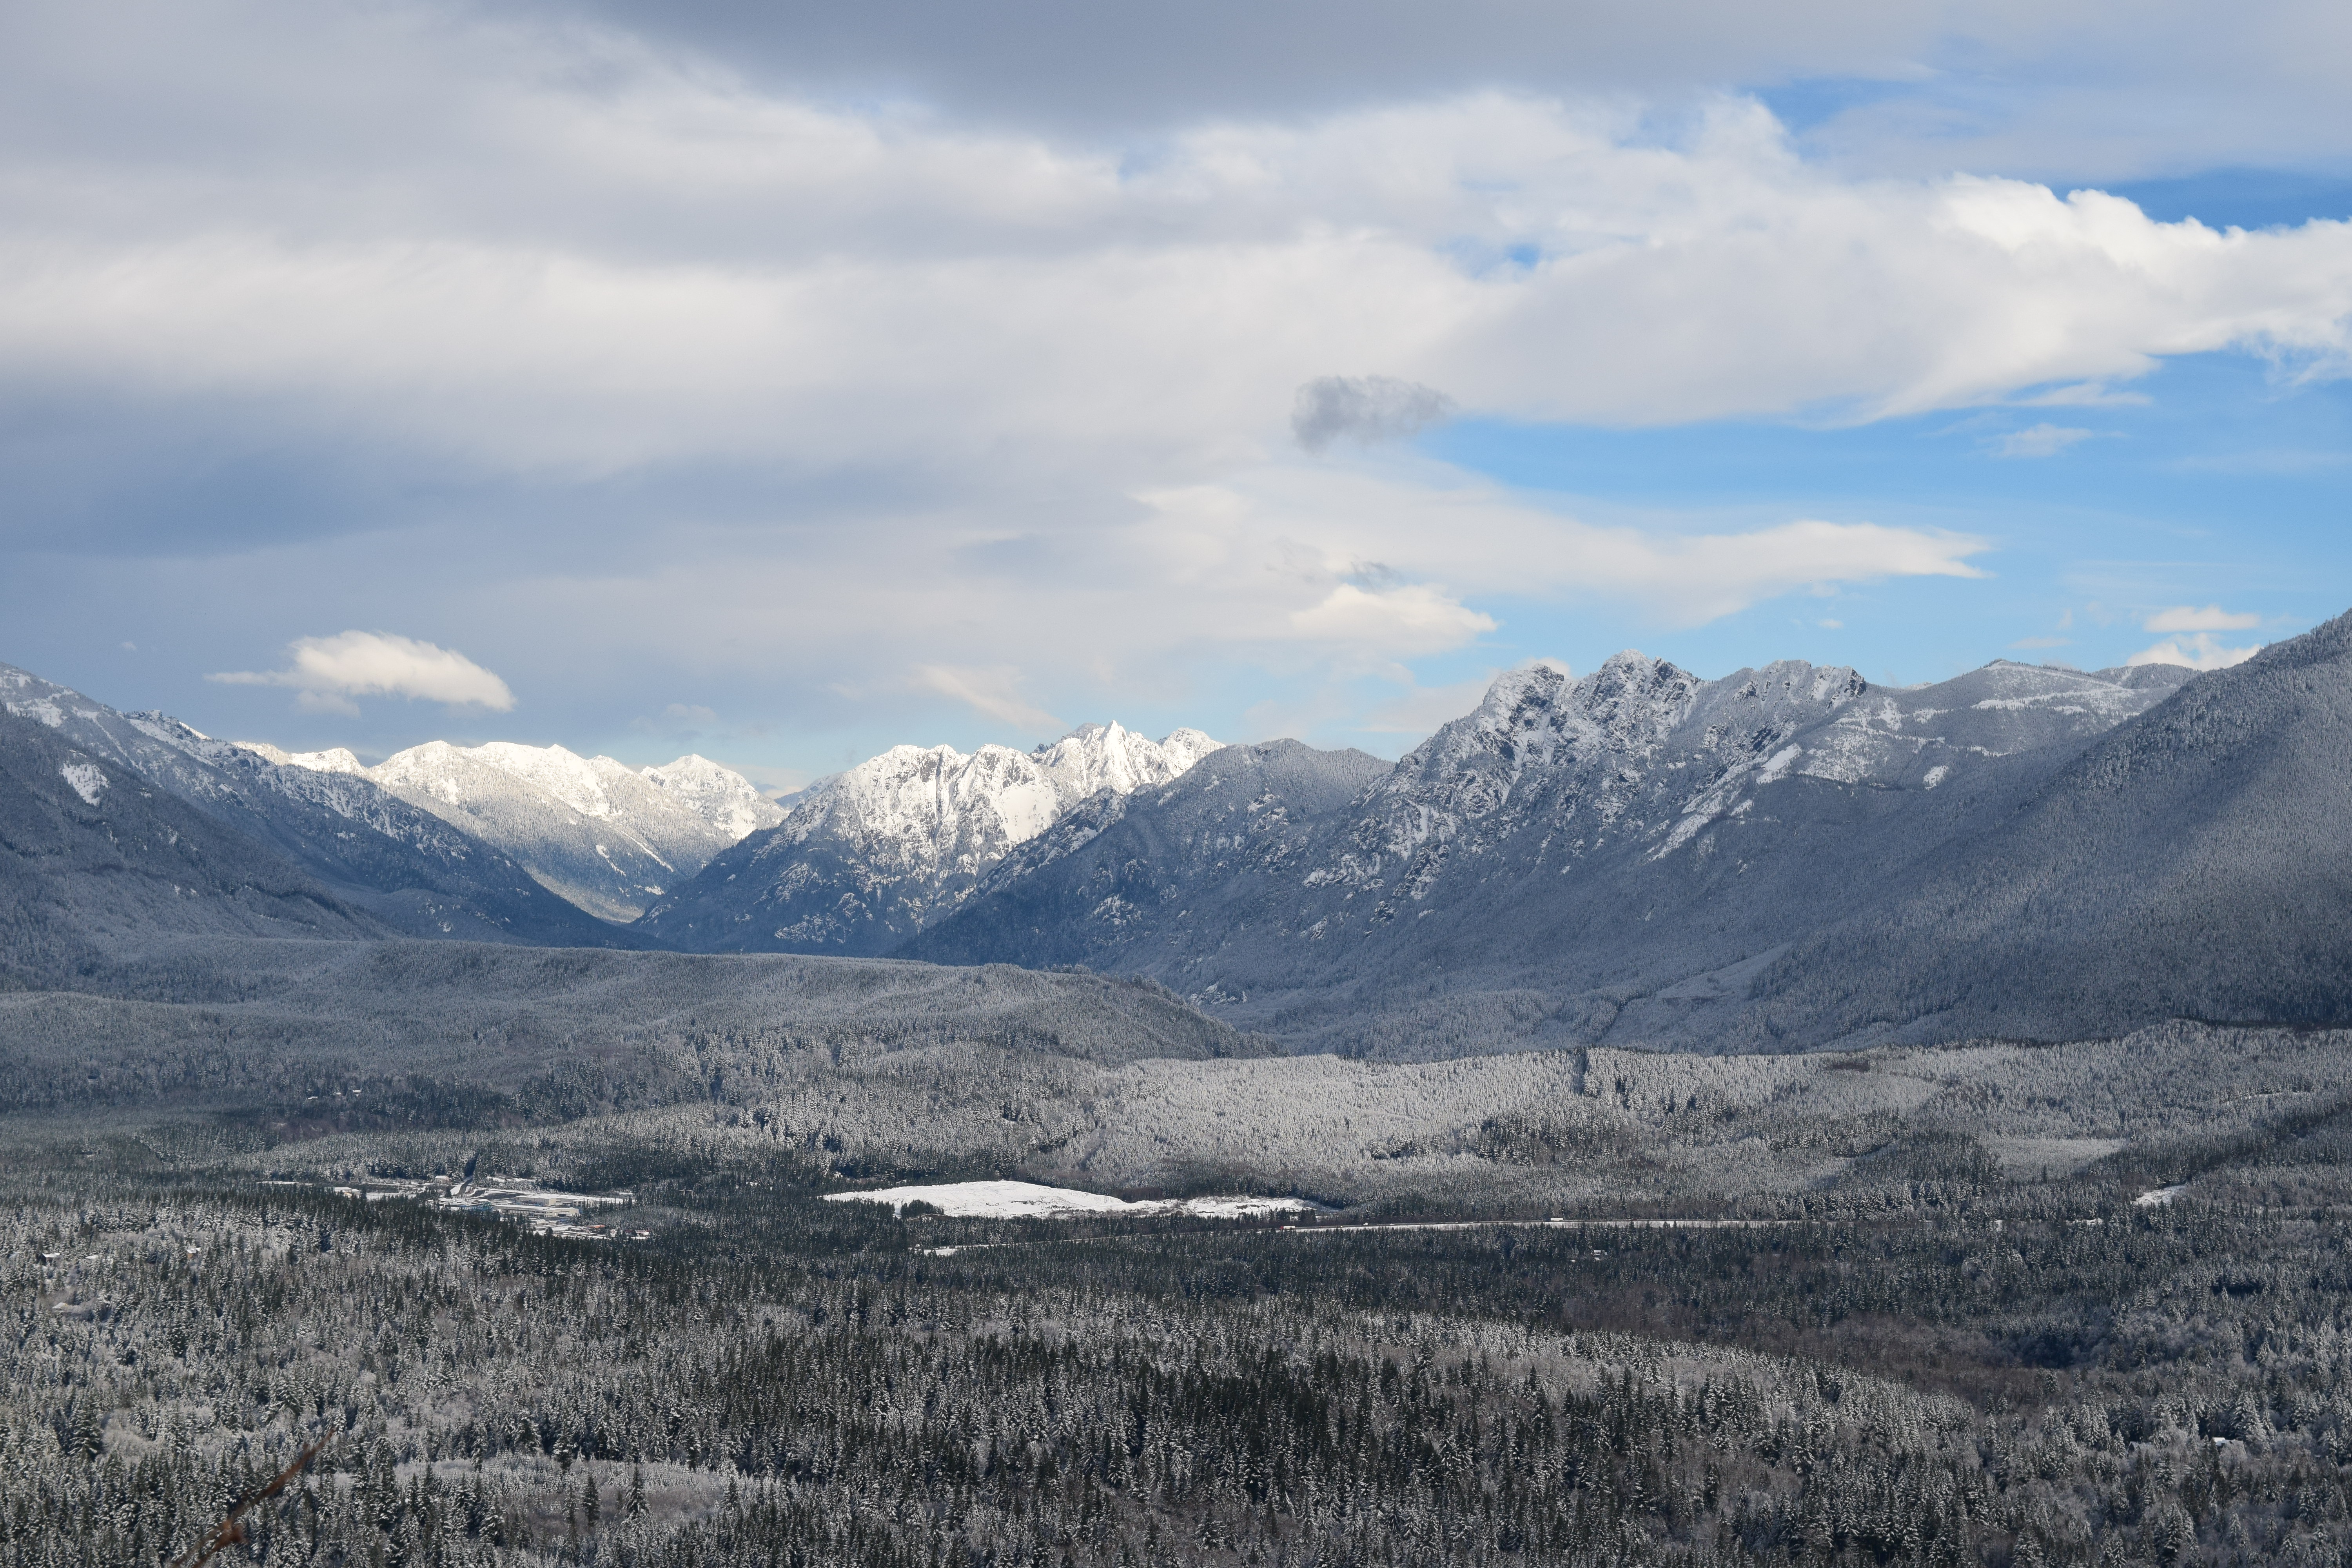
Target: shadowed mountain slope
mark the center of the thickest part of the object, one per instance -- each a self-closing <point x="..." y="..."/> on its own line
<point x="2196" y="862"/>
<point x="1223" y="830"/>
<point x="96" y="863"/>
<point x="404" y="866"/>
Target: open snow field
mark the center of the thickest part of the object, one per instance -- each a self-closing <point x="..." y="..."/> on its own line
<point x="1028" y="1200"/>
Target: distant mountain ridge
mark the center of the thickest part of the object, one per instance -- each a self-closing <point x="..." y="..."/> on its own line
<point x="2194" y="863"/>
<point x="97" y="865"/>
<point x="607" y="837"/>
<point x="866" y="858"/>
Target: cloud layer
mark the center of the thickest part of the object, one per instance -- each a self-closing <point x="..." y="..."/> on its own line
<point x="628" y="358"/>
<point x="599" y="260"/>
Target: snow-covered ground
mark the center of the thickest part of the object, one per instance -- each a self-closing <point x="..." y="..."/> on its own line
<point x="1027" y="1200"/>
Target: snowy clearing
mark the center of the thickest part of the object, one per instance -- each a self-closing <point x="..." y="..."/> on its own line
<point x="1028" y="1200"/>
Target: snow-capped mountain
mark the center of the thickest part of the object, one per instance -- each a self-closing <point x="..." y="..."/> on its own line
<point x="869" y="857"/>
<point x="720" y="796"/>
<point x="605" y="836"/>
<point x="406" y="867"/>
<point x="1540" y="867"/>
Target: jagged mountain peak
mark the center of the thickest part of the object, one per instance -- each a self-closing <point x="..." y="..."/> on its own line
<point x="937" y="807"/>
<point x="719" y="795"/>
<point x="872" y="855"/>
<point x="586" y="784"/>
<point x="1110" y="756"/>
<point x="1539" y="714"/>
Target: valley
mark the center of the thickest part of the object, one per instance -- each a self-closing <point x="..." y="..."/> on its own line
<point x="1761" y="1121"/>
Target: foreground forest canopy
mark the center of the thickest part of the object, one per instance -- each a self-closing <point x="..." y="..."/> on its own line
<point x="2106" y="1332"/>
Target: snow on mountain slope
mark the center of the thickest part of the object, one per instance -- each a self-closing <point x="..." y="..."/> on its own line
<point x="336" y="760"/>
<point x="873" y="855"/>
<point x="720" y="796"/>
<point x="2193" y="862"/>
<point x="404" y="866"/>
<point x="606" y="837"/>
<point x="1641" y="756"/>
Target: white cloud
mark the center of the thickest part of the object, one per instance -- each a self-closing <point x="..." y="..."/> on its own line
<point x="2044" y="440"/>
<point x="993" y="691"/>
<point x="1434" y="524"/>
<point x="327" y="673"/>
<point x="2084" y="395"/>
<point x="1402" y="622"/>
<point x="551" y="254"/>
<point x="2198" y="651"/>
<point x="2190" y="618"/>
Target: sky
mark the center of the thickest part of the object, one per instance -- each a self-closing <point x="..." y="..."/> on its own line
<point x="782" y="382"/>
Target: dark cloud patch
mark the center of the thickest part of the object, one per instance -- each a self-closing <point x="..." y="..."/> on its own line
<point x="1082" y="64"/>
<point x="89" y="474"/>
<point x="1369" y="409"/>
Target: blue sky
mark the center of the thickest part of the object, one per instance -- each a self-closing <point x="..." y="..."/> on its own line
<point x="784" y="384"/>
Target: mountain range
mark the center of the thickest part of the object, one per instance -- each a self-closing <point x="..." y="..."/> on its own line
<point x="1611" y="860"/>
<point x="1787" y="858"/>
<point x="604" y="837"/>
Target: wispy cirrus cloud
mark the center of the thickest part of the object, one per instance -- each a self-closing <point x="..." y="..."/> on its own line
<point x="2044" y="440"/>
<point x="993" y="691"/>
